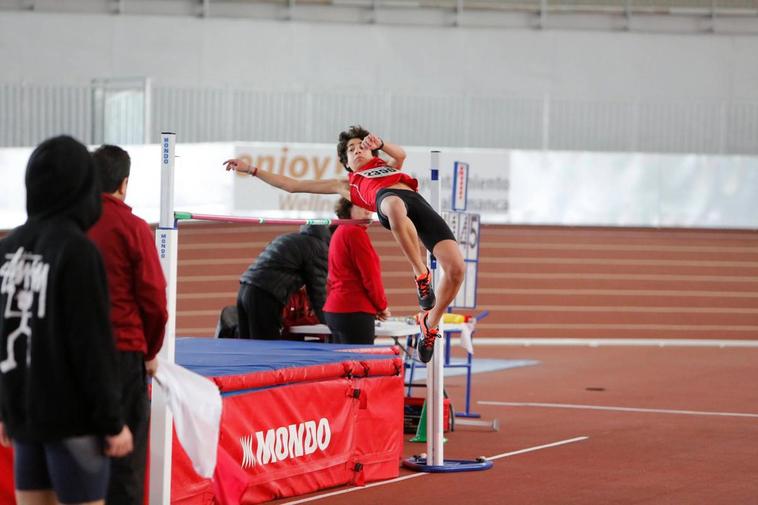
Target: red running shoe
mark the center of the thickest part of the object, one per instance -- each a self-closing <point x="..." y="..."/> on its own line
<point x="425" y="343"/>
<point x="426" y="298"/>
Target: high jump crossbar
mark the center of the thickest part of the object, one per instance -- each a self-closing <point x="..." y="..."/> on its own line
<point x="186" y="216"/>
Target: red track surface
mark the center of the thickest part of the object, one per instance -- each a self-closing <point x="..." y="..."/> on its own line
<point x="579" y="283"/>
<point x="630" y="457"/>
<point x="536" y="281"/>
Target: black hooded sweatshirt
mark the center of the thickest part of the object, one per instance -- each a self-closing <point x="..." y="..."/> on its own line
<point x="291" y="261"/>
<point x="58" y="372"/>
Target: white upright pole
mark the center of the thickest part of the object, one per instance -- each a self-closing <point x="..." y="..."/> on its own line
<point x="434" y="372"/>
<point x="161" y="422"/>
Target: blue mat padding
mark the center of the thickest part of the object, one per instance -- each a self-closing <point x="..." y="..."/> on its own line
<point x="478" y="365"/>
<point x="213" y="357"/>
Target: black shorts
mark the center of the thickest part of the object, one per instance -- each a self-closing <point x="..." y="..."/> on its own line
<point x="75" y="468"/>
<point x="430" y="226"/>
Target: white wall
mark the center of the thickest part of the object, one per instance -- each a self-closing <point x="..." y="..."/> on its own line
<point x="68" y="48"/>
<point x="504" y="186"/>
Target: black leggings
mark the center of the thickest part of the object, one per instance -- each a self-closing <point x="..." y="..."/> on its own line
<point x="351" y="327"/>
<point x="260" y="314"/>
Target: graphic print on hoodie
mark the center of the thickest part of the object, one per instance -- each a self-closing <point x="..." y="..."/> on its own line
<point x="24" y="275"/>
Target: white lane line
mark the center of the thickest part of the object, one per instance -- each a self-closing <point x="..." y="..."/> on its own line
<point x="421" y="474"/>
<point x="352" y="489"/>
<point x="537" y="448"/>
<point x="617" y="409"/>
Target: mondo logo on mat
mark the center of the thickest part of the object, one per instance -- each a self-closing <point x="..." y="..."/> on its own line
<point x="285" y="442"/>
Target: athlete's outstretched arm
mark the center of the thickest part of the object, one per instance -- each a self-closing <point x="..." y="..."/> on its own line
<point x="290" y="185"/>
<point x="394" y="151"/>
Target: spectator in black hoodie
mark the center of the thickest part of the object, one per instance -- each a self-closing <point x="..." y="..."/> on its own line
<point x="284" y="266"/>
<point x="59" y="390"/>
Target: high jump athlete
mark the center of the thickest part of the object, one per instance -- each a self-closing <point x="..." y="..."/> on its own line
<point x="380" y="186"/>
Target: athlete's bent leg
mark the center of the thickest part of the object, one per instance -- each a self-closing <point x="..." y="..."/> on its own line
<point x="450" y="259"/>
<point x="404" y="231"/>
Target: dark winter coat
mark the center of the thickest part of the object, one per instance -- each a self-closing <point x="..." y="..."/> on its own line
<point x="291" y="261"/>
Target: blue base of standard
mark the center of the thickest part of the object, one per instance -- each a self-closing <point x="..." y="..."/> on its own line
<point x="468" y="414"/>
<point x="418" y="463"/>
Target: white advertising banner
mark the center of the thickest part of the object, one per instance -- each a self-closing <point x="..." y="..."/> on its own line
<point x="628" y="189"/>
<point x="253" y="197"/>
<point x="319" y="161"/>
<point x="519" y="187"/>
<point x="200" y="182"/>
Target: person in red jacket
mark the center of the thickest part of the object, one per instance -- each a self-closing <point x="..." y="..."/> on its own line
<point x="138" y="312"/>
<point x="355" y="292"/>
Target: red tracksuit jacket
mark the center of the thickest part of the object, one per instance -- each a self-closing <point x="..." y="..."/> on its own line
<point x="354" y="282"/>
<point x="135" y="280"/>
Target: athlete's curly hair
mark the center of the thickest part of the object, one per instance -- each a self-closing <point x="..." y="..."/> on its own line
<point x="354" y="132"/>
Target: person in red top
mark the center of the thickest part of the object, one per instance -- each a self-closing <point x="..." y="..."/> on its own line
<point x="379" y="185"/>
<point x="138" y="312"/>
<point x="355" y="292"/>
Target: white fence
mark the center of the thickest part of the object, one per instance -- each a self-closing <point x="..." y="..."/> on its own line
<point x="533" y="13"/>
<point x="30" y="112"/>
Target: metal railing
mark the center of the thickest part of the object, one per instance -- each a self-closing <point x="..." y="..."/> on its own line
<point x="539" y="7"/>
<point x="31" y="112"/>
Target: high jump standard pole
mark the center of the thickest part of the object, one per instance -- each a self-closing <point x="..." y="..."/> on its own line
<point x="161" y="421"/>
<point x="434" y="373"/>
<point x="434" y="460"/>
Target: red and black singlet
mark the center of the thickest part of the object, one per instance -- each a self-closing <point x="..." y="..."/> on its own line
<point x="372" y="177"/>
